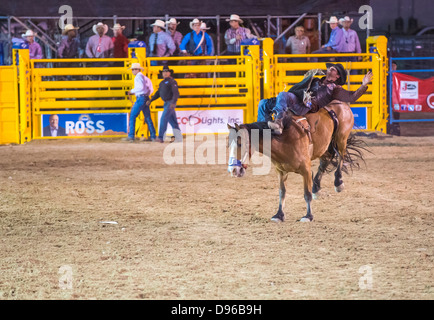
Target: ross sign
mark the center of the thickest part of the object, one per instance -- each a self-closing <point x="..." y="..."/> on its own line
<point x="360" y="118"/>
<point x="410" y="94"/>
<point x="82" y="125"/>
<point x="205" y="121"/>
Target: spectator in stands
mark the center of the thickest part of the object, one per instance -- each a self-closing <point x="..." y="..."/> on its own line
<point x="235" y="34"/>
<point x="100" y="45"/>
<point x="335" y="43"/>
<point x="120" y="42"/>
<point x="35" y="50"/>
<point x="168" y="91"/>
<point x="69" y="46"/>
<point x="160" y="42"/>
<point x="142" y="89"/>
<point x="298" y="44"/>
<point x="351" y="43"/>
<point x="197" y="42"/>
<point x="176" y="35"/>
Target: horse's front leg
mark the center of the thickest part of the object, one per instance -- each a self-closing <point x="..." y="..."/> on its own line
<point x="280" y="215"/>
<point x="307" y="181"/>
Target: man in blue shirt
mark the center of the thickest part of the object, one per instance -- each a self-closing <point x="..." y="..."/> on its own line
<point x="336" y="41"/>
<point x="197" y="42"/>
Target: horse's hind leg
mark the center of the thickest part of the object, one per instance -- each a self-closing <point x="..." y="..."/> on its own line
<point x="280" y="215"/>
<point x="323" y="163"/>
<point x="342" y="149"/>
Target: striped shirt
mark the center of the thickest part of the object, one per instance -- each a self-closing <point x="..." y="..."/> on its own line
<point x="234" y="45"/>
<point x="177" y="38"/>
<point x="165" y="45"/>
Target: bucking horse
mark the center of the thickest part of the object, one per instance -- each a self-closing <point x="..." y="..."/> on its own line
<point x="329" y="139"/>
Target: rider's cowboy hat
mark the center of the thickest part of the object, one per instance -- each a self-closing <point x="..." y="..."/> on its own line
<point x="136" y="65"/>
<point x="347" y="18"/>
<point x="29" y="33"/>
<point x="194" y="22"/>
<point x="100" y="24"/>
<point x="172" y="20"/>
<point x="333" y="19"/>
<point x="235" y="17"/>
<point x="159" y="23"/>
<point x="68" y="28"/>
<point x="118" y="26"/>
<point x="341" y="71"/>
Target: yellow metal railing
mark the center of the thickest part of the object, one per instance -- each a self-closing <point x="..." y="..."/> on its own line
<point x="284" y="73"/>
<point x="86" y="86"/>
<point x="9" y="105"/>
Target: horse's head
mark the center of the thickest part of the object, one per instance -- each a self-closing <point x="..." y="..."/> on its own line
<point x="239" y="150"/>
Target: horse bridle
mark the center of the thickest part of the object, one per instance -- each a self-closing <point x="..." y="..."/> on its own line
<point x="234" y="162"/>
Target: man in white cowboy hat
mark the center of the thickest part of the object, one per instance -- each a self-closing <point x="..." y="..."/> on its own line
<point x="100" y="45"/>
<point x="197" y="42"/>
<point x="142" y="89"/>
<point x="176" y="35"/>
<point x="235" y="34"/>
<point x="120" y="42"/>
<point x="335" y="43"/>
<point x="35" y="50"/>
<point x="351" y="43"/>
<point x="160" y="42"/>
<point x="69" y="45"/>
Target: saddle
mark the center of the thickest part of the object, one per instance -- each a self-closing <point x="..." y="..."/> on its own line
<point x="302" y="123"/>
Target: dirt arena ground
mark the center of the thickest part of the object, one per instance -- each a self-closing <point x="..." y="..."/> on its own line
<point x="193" y="232"/>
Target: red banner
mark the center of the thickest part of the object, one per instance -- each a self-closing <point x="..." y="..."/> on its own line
<point x="411" y="94"/>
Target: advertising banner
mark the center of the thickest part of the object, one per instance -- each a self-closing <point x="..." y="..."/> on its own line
<point x="205" y="121"/>
<point x="410" y="94"/>
<point x="81" y="125"/>
<point x="360" y="118"/>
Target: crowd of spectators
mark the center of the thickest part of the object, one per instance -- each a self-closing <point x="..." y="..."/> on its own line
<point x="164" y="41"/>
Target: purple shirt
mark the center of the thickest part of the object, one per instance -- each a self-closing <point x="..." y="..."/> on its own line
<point x="100" y="47"/>
<point x="165" y="46"/>
<point x="35" y="51"/>
<point x="68" y="49"/>
<point x="351" y="41"/>
<point x="177" y="38"/>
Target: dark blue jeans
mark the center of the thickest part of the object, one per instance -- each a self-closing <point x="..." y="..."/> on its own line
<point x="265" y="110"/>
<point x="289" y="101"/>
<point x="140" y="105"/>
<point x="169" y="117"/>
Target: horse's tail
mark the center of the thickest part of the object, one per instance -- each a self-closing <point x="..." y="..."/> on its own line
<point x="354" y="154"/>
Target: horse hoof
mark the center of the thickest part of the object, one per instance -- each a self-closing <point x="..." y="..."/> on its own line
<point x="276" y="220"/>
<point x="339" y="188"/>
<point x="316" y="196"/>
<point x="304" y="219"/>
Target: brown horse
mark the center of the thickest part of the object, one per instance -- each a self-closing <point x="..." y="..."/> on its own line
<point x="292" y="151"/>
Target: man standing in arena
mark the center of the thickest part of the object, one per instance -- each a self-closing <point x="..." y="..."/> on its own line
<point x="142" y="89"/>
<point x="168" y="91"/>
